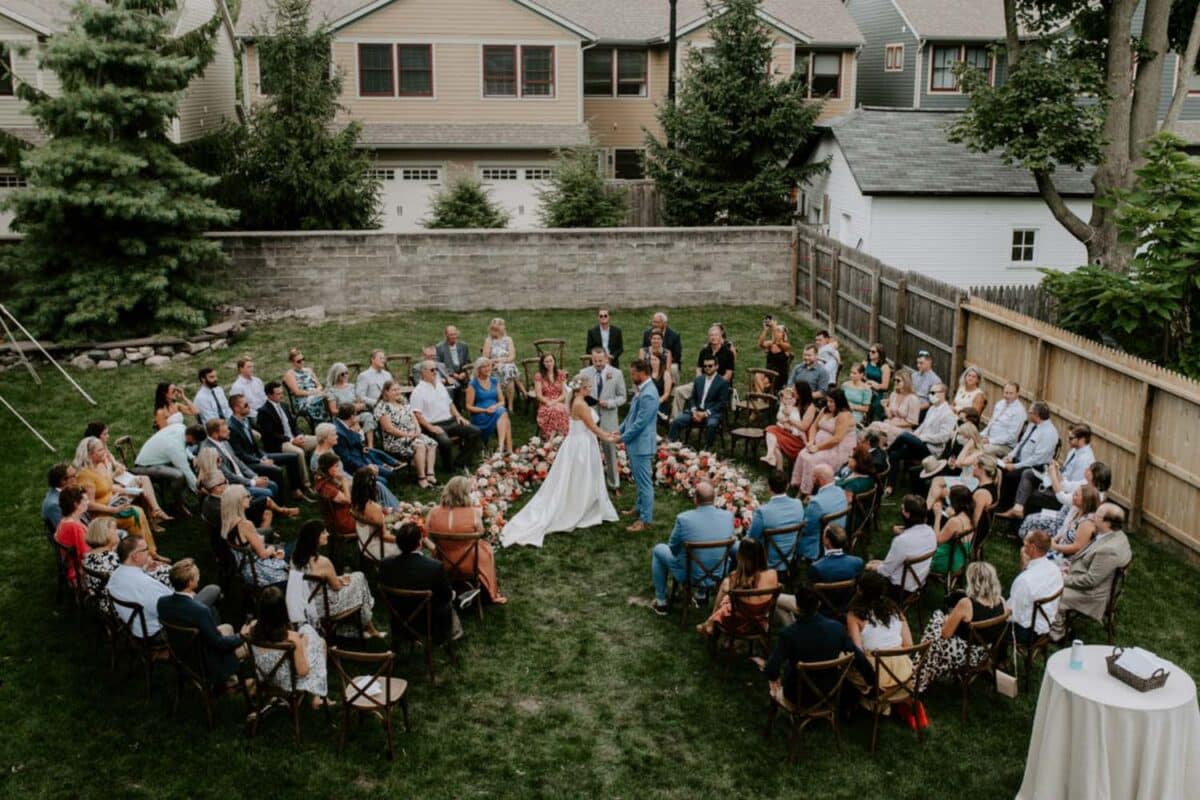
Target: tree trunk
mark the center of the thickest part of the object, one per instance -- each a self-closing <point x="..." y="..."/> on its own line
<point x="1148" y="81"/>
<point x="1187" y="67"/>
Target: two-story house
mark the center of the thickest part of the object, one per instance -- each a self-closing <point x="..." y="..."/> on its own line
<point x="25" y="26"/>
<point x="492" y="88"/>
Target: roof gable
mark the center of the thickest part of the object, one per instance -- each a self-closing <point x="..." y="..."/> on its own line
<point x="981" y="20"/>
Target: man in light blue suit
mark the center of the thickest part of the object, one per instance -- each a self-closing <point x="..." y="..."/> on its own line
<point x="641" y="440"/>
<point x="780" y="511"/>
<point x="704" y="523"/>
<point x="828" y="499"/>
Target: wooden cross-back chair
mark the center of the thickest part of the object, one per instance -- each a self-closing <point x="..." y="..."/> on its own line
<point x="125" y="449"/>
<point x="818" y="697"/>
<point x="750" y="421"/>
<point x="463" y="566"/>
<point x="243" y="554"/>
<point x="749" y="620"/>
<point x="1038" y="642"/>
<point x="911" y="598"/>
<point x="373" y="549"/>
<point x="329" y="623"/>
<point x="838" y="517"/>
<point x="375" y="696"/>
<point x="556" y="346"/>
<point x="96" y="584"/>
<point x="835" y="597"/>
<point x="985" y="639"/>
<point x="67" y="561"/>
<point x="131" y="634"/>
<point x="783" y="558"/>
<point x="899" y="690"/>
<point x="959" y="547"/>
<point x="266" y="687"/>
<point x="862" y="521"/>
<point x="529" y="368"/>
<point x="702" y="577"/>
<point x="983" y="529"/>
<point x="1108" y="619"/>
<point x="400" y="365"/>
<point x="415" y="625"/>
<point x="185" y="648"/>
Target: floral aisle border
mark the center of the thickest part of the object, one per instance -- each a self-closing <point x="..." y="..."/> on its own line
<point x="503" y="478"/>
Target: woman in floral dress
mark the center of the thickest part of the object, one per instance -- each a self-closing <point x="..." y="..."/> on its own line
<point x="402" y="435"/>
<point x="308" y="655"/>
<point x="345" y="592"/>
<point x="550" y="386"/>
<point x="307" y="392"/>
<point x="498" y="348"/>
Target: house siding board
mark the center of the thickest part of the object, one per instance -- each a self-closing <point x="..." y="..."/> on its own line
<point x="13" y="112"/>
<point x="1191" y="106"/>
<point x="623" y="121"/>
<point x="845" y="197"/>
<point x="881" y="25"/>
<point x="211" y="98"/>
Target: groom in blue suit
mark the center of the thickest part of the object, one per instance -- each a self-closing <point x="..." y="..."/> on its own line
<point x="641" y="440"/>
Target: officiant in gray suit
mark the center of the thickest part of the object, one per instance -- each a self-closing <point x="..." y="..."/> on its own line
<point x="456" y="356"/>
<point x="608" y="387"/>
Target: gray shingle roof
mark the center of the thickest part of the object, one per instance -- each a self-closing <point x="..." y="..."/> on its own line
<point x="907" y="152"/>
<point x="30" y="135"/>
<point x="473" y="137"/>
<point x="955" y="19"/>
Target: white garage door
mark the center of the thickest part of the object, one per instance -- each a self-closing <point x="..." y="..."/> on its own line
<point x="406" y="193"/>
<point x="516" y="188"/>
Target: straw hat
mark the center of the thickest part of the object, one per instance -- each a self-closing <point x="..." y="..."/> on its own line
<point x="932" y="465"/>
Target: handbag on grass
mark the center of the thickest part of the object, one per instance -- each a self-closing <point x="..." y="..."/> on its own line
<point x="1006" y="684"/>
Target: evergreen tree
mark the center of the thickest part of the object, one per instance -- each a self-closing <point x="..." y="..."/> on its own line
<point x="290" y="168"/>
<point x="465" y="204"/>
<point x="576" y="196"/>
<point x="730" y="139"/>
<point x="112" y="218"/>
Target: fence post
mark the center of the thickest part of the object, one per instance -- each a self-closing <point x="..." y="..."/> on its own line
<point x="876" y="297"/>
<point x="901" y="317"/>
<point x="835" y="259"/>
<point x="794" y="265"/>
<point x="814" y="255"/>
<point x="1141" y="458"/>
<point x="1039" y="370"/>
<point x="958" y="351"/>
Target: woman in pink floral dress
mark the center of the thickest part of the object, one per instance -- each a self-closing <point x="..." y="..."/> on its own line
<point x="550" y="386"/>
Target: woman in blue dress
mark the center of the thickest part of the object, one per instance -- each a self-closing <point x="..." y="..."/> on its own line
<point x="486" y="406"/>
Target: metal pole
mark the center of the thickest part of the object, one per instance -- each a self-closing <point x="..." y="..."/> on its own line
<point x="4" y="310"/>
<point x="27" y="425"/>
<point x="19" y="351"/>
<point x="671" y="57"/>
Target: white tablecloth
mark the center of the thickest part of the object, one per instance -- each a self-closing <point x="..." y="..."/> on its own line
<point x="1094" y="738"/>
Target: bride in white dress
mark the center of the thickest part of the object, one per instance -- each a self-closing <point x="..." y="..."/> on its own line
<point x="574" y="494"/>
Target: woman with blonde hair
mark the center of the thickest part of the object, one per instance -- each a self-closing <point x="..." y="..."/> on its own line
<point x="340" y="391"/>
<point x="487" y="410"/>
<point x="949" y="633"/>
<point x="901" y="412"/>
<point x="458" y="513"/>
<point x="499" y="349"/>
<point x="270" y="564"/>
<point x="107" y="497"/>
<point x="970" y="392"/>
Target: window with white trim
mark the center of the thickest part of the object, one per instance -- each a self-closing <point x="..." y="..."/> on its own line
<point x="893" y="58"/>
<point x="423" y="174"/>
<point x="10" y="181"/>
<point x="382" y="174"/>
<point x="821" y="73"/>
<point x="539" y="173"/>
<point x="1024" y="245"/>
<point x="942" y="77"/>
<point x="629" y="165"/>
<point x="499" y="173"/>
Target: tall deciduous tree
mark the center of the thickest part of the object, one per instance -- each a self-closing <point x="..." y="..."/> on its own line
<point x="112" y="218"/>
<point x="730" y="140"/>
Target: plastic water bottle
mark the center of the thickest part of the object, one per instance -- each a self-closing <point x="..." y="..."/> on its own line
<point x="1077" y="654"/>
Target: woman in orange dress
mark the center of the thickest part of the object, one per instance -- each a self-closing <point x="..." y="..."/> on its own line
<point x="456" y="513"/>
<point x="91" y="459"/>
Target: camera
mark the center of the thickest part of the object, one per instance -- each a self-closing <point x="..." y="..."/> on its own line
<point x="767" y="320"/>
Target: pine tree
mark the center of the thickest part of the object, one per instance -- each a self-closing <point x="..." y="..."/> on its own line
<point x="731" y="138"/>
<point x="465" y="204"/>
<point x="291" y="169"/>
<point x="112" y="218"/>
<point x="576" y="196"/>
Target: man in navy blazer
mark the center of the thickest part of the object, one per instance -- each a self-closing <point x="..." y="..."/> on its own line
<point x="835" y="565"/>
<point x="352" y="449"/>
<point x="706" y="406"/>
<point x="191" y="607"/>
<point x="780" y="511"/>
<point x="704" y="523"/>
<point x="415" y="571"/>
<point x="828" y="499"/>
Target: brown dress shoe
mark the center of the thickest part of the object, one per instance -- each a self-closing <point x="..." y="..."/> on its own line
<point x="637" y="527"/>
<point x="629" y="512"/>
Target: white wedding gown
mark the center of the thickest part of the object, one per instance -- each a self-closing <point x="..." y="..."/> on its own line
<point x="574" y="494"/>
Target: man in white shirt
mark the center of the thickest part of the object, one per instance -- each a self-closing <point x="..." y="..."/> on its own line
<point x="914" y="538"/>
<point x="131" y="584"/>
<point x="924" y="379"/>
<point x="1037" y="489"/>
<point x="1034" y="451"/>
<point x="249" y="385"/>
<point x="210" y="400"/>
<point x="165" y="455"/>
<point x="371" y="380"/>
<point x="929" y="438"/>
<point x="1004" y="427"/>
<point x="437" y="416"/>
<point x="1040" y="578"/>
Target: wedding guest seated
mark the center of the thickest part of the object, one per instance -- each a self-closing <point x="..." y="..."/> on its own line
<point x="773" y="341"/>
<point x="929" y="438"/>
<point x="280" y="433"/>
<point x="670" y="339"/>
<point x="658" y="348"/>
<point x="1033" y="452"/>
<point x="248" y="385"/>
<point x="874" y="622"/>
<point x="401" y="434"/>
<point x="982" y="484"/>
<point x="454" y="354"/>
<point x="751" y="572"/>
<point x="858" y="394"/>
<point x="276" y="467"/>
<point x="550" y="387"/>
<point x="789" y="435"/>
<point x="212" y="482"/>
<point x="1087" y="584"/>
<point x="704" y="523"/>
<point x="971" y="449"/>
<point x="1098" y="476"/>
<point x="189" y="606"/>
<point x="102" y="538"/>
<point x="1080" y="526"/>
<point x="334" y="488"/>
<point x="912" y="538"/>
<point x="165" y="456"/>
<point x="1037" y="490"/>
<point x="269" y="563"/>
<point x="210" y="402"/>
<point x="924" y="379"/>
<point x="134" y="482"/>
<point x="440" y="419"/>
<point x="879" y="456"/>
<point x="607" y="337"/>
<point x="370" y="518"/>
<point x="858" y="475"/>
<point x="958" y="521"/>
<point x="970" y="393"/>
<point x="340" y="392"/>
<point x="486" y="407"/>
<point x="105" y="495"/>
<point x="828" y="498"/>
<point x="950" y="649"/>
<point x="705" y="405"/>
<point x="414" y="571"/>
<point x="834" y="438"/>
<point x="326" y="435"/>
<point x="901" y="412"/>
<point x="369" y="384"/>
<point x="780" y="511"/>
<point x="1004" y="427"/>
<point x="811" y="371"/>
<point x="238" y="473"/>
<point x="835" y="564"/>
<point x="716" y="348"/>
<point x="878" y="373"/>
<point x="828" y="355"/>
<point x="71" y="532"/>
<point x="458" y="513"/>
<point x="307" y="392"/>
<point x="273" y="627"/>
<point x="170" y="404"/>
<point x="60" y="476"/>
<point x="1040" y="577"/>
<point x="130" y="583"/>
<point x="353" y="450"/>
<point x="345" y="592"/>
<point x="664" y="382"/>
<point x="499" y="349"/>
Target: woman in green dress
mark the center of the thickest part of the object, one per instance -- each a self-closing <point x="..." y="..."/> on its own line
<point x="858" y="394"/>
<point x="879" y="378"/>
<point x="951" y="554"/>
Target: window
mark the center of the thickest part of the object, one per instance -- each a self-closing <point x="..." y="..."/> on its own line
<point x="539" y="173"/>
<point x="6" y="73"/>
<point x="893" y="58"/>
<point x="414" y="63"/>
<point x="978" y="58"/>
<point x="422" y="174"/>
<point x="628" y="166"/>
<point x="499" y="71"/>
<point x="1193" y="79"/>
<point x="613" y="72"/>
<point x="598" y="72"/>
<point x="821" y="72"/>
<point x="498" y="173"/>
<point x="382" y="174"/>
<point x="10" y="181"/>
<point x="537" y="71"/>
<point x="375" y="70"/>
<point x="1023" y="242"/>
<point x="942" y="78"/>
<point x="631" y="73"/>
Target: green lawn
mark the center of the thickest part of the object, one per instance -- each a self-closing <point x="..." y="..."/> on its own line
<point x="569" y="690"/>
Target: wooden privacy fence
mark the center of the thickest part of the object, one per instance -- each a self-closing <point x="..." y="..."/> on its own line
<point x="645" y="203"/>
<point x="1145" y="420"/>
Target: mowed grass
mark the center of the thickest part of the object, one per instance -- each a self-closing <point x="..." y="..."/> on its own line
<point x="568" y="691"/>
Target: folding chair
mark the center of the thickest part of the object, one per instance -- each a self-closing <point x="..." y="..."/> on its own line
<point x="415" y="624"/>
<point x="816" y="699"/>
<point x="373" y="695"/>
<point x="146" y="649"/>
<point x="266" y="689"/>
<point x="899" y="690"/>
<point x="702" y="577"/>
<point x="749" y="620"/>
<point x="987" y="637"/>
<point x="328" y="623"/>
<point x="463" y="567"/>
<point x="1038" y="642"/>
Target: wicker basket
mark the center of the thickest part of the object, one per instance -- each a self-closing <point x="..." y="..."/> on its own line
<point x="1155" y="681"/>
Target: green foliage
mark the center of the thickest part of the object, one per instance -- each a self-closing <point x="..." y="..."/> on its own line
<point x="576" y="196"/>
<point x="730" y="140"/>
<point x="112" y="218"/>
<point x="291" y="168"/>
<point x="465" y="204"/>
<point x="1154" y="310"/>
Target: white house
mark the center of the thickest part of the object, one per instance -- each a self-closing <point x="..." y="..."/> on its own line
<point x="899" y="190"/>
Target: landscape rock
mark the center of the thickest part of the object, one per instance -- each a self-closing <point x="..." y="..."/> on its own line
<point x="220" y="344"/>
<point x="97" y="355"/>
<point x="82" y="362"/>
<point x="107" y="363"/>
<point x="198" y="347"/>
<point x="181" y="356"/>
<point x="310" y="312"/>
<point x="125" y="362"/>
<point x="146" y="351"/>
<point x="165" y="350"/>
<point x="158" y="361"/>
<point x="116" y="353"/>
<point x="135" y="355"/>
<point x="221" y="328"/>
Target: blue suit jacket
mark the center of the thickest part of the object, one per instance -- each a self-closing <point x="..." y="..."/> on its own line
<point x="702" y="524"/>
<point x="778" y="512"/>
<point x="349" y="448"/>
<point x="718" y="396"/>
<point x="831" y="498"/>
<point x="638" y="430"/>
<point x="835" y="567"/>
